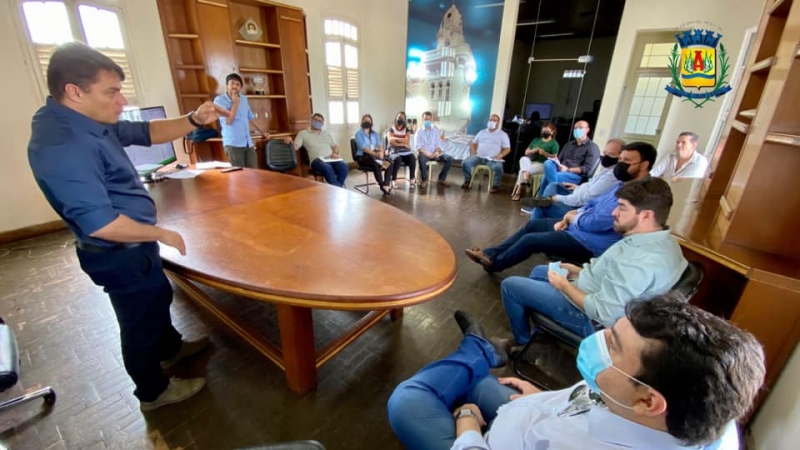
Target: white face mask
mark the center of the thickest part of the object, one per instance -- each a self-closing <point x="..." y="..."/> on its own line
<point x="492" y="124"/>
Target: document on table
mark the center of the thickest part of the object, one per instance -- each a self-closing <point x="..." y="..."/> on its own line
<point x="212" y="165"/>
<point x="183" y="174"/>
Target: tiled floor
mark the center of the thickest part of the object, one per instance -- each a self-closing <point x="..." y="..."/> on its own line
<point x="68" y="338"/>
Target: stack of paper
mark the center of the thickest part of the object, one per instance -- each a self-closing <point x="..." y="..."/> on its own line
<point x="212" y="165"/>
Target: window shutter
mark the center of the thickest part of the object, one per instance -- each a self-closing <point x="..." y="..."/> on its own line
<point x="335" y="83"/>
<point x="43" y="53"/>
<point x="352" y="84"/>
<point x="121" y="58"/>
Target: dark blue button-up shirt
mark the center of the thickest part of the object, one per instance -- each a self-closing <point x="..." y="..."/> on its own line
<point x="83" y="171"/>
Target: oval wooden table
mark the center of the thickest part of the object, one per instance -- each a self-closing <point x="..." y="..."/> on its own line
<point x="300" y="245"/>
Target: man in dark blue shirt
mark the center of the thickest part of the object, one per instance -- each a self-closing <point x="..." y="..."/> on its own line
<point x="582" y="233"/>
<point x="77" y="157"/>
<point x="575" y="162"/>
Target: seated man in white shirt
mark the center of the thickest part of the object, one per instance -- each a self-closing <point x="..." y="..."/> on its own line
<point x="686" y="162"/>
<point x="668" y="376"/>
<point x="428" y="141"/>
<point x="489" y="148"/>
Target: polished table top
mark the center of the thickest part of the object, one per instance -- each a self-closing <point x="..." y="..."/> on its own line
<point x="290" y="240"/>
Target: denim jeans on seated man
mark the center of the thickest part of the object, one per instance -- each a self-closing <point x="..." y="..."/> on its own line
<point x="421" y="408"/>
<point x="557" y="209"/>
<point x="334" y="172"/>
<point x="445" y="160"/>
<point x="468" y="164"/>
<point x="537" y="236"/>
<point x="552" y="175"/>
<point x="536" y="292"/>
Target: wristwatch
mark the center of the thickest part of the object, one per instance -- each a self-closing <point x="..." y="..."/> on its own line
<point x="194" y="122"/>
<point x="466" y="412"/>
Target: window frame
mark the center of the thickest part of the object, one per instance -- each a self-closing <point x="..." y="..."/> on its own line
<point x="342" y="41"/>
<point x="30" y="47"/>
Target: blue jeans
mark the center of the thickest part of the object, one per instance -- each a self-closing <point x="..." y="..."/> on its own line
<point x="446" y="160"/>
<point x="536" y="236"/>
<point x="468" y="164"/>
<point x="421" y="408"/>
<point x="556" y="210"/>
<point x="537" y="293"/>
<point x="335" y="173"/>
<point x="140" y="294"/>
<point x="552" y="175"/>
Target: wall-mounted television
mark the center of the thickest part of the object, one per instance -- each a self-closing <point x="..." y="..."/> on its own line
<point x="148" y="159"/>
<point x="545" y="110"/>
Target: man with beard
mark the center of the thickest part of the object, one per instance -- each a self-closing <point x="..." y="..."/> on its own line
<point x="581" y="233"/>
<point x="645" y="262"/>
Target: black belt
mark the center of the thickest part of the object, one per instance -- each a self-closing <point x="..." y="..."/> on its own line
<point x="105" y="249"/>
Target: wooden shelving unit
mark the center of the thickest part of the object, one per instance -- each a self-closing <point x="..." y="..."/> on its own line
<point x="748" y="213"/>
<point x="204" y="46"/>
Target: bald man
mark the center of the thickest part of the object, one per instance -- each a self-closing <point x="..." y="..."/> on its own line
<point x="575" y="161"/>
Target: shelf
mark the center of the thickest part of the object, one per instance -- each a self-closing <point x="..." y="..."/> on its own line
<point x="780" y="8"/>
<point x="184" y="36"/>
<point x="189" y="67"/>
<point x="764" y="64"/>
<point x="740" y="126"/>
<point x="265" y="96"/>
<point x="785" y="139"/>
<point x="256" y="44"/>
<point x="253" y="70"/>
<point x="195" y="95"/>
<point x="749" y="113"/>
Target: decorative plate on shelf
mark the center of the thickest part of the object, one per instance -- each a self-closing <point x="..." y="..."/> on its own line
<point x="250" y="30"/>
<point x="259" y="83"/>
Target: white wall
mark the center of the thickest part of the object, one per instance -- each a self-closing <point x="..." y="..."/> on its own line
<point x="777" y="425"/>
<point x="504" y="54"/>
<point x="648" y="15"/>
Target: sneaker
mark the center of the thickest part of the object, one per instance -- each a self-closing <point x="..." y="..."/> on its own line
<point x="177" y="390"/>
<point x="537" y="202"/>
<point x="412" y="185"/>
<point x="465" y="185"/>
<point x="188" y="348"/>
<point x="527" y="210"/>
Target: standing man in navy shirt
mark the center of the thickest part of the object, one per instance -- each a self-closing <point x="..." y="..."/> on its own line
<point x="236" y="126"/>
<point x="77" y="157"/>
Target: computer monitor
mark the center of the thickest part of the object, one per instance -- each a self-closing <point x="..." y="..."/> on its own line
<point x="148" y="159"/>
<point x="545" y="110"/>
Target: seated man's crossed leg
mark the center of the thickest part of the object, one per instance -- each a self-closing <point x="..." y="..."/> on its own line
<point x="553" y="175"/>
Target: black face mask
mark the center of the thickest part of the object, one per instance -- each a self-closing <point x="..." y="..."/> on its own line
<point x="621" y="172"/>
<point x="546" y="134"/>
<point x="608" y="161"/>
<point x="366" y="124"/>
<point x="400" y="122"/>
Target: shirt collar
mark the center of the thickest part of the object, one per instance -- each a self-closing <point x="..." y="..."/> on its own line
<point x="613" y="429"/>
<point x="585" y="141"/>
<point x="75" y="119"/>
<point x="644" y="239"/>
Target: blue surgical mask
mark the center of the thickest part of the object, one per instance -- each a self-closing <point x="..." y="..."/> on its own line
<point x="593" y="358"/>
<point x="427" y="124"/>
<point x="316" y="124"/>
<point x="578" y="133"/>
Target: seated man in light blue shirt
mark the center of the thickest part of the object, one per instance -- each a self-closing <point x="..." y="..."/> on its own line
<point x="427" y="143"/>
<point x="236" y="127"/>
<point x="561" y="198"/>
<point x="646" y="261"/>
<point x="666" y="376"/>
<point x="489" y="148"/>
<point x="581" y="233"/>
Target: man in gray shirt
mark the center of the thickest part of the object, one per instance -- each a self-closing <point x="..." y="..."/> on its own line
<point x="560" y="198"/>
<point x="575" y="161"/>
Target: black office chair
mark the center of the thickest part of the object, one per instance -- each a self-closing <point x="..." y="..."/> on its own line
<point x="365" y="169"/>
<point x="295" y="445"/>
<point x="9" y="372"/>
<point x="687" y="285"/>
<point x="279" y="156"/>
<point x="307" y="161"/>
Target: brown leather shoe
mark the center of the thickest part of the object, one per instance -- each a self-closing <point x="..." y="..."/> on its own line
<point x="444" y="183"/>
<point x="494" y="190"/>
<point x="424" y="184"/>
<point x="477" y="255"/>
